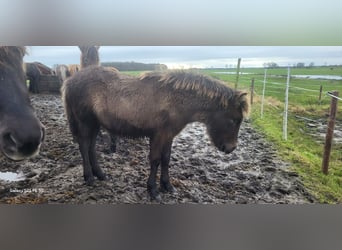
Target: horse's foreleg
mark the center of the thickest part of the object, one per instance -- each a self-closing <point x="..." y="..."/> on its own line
<point x="160" y="152"/>
<point x="96" y="169"/>
<point x="112" y="143"/>
<point x="165" y="185"/>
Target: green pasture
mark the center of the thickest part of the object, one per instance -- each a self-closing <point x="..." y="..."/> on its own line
<point x="302" y="150"/>
<point x="302" y="91"/>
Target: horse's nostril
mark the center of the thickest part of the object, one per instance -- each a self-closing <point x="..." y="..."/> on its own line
<point x="29" y="148"/>
<point x="15" y="147"/>
<point x="232" y="149"/>
<point x="42" y="137"/>
<point x="9" y="139"/>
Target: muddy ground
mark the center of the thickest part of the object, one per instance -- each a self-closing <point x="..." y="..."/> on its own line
<point x="200" y="173"/>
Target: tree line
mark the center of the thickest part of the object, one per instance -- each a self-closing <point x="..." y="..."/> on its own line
<point x="273" y="65"/>
<point x="135" y="66"/>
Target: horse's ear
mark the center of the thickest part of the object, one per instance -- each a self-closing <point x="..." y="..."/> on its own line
<point x="243" y="103"/>
<point x="83" y="48"/>
<point x="242" y="94"/>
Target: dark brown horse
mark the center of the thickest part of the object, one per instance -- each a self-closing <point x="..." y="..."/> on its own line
<point x="33" y="75"/>
<point x="33" y="72"/>
<point x="157" y="106"/>
<point x="21" y="133"/>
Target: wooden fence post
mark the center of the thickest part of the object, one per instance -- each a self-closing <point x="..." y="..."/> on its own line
<point x="330" y="133"/>
<point x="320" y="94"/>
<point x="252" y="90"/>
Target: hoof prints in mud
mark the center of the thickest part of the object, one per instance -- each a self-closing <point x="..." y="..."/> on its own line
<point x="199" y="172"/>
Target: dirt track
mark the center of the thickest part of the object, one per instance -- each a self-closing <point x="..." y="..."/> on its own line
<point x="200" y="173"/>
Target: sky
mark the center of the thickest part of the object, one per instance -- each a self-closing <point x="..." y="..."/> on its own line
<point x="194" y="56"/>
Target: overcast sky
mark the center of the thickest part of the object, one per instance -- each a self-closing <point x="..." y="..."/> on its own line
<point x="194" y="56"/>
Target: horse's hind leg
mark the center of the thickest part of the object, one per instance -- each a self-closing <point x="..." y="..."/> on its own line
<point x="96" y="169"/>
<point x="165" y="184"/>
<point x="87" y="141"/>
<point x="154" y="163"/>
<point x="84" y="145"/>
<point x="112" y="143"/>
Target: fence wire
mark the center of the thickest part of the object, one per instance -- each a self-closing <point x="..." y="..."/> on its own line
<point x="336" y="97"/>
<point x="271" y="87"/>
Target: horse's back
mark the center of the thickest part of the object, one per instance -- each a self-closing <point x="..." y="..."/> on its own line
<point x="87" y="89"/>
<point x="90" y="79"/>
<point x="118" y="101"/>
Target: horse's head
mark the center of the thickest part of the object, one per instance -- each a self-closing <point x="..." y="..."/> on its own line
<point x="89" y="55"/>
<point x="21" y="133"/>
<point x="224" y="124"/>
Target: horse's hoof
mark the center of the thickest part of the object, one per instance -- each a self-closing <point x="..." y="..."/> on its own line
<point x="157" y="198"/>
<point x="99" y="174"/>
<point x="167" y="188"/>
<point x="113" y="149"/>
<point x="154" y="195"/>
<point x="89" y="181"/>
<point x="101" y="177"/>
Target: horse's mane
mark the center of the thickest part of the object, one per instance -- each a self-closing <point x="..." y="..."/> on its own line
<point x="43" y="68"/>
<point x="12" y="56"/>
<point x="202" y="85"/>
<point x="73" y="68"/>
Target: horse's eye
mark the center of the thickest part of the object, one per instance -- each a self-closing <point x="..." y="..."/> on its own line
<point x="230" y="122"/>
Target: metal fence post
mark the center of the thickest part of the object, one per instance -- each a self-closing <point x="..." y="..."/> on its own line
<point x="252" y="90"/>
<point x="237" y="73"/>
<point x="286" y="105"/>
<point x="263" y="95"/>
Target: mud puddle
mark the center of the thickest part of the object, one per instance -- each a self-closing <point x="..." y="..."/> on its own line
<point x="10" y="176"/>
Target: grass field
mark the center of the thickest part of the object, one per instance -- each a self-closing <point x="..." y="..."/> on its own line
<point x="301" y="149"/>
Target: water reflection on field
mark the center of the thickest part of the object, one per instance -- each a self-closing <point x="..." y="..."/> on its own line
<point x="313" y="77"/>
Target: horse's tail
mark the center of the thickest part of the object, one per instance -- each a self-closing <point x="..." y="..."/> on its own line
<point x="71" y="116"/>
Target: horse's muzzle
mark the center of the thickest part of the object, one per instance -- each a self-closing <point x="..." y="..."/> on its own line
<point x="19" y="148"/>
<point x="228" y="148"/>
